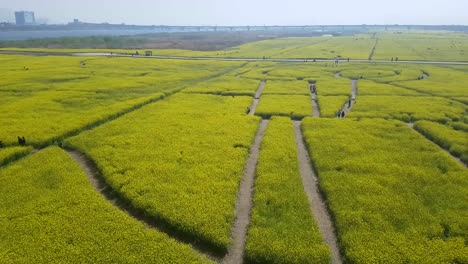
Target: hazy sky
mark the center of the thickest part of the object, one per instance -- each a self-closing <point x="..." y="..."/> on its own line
<point x="244" y="12"/>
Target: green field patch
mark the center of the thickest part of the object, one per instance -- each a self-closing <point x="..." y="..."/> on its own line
<point x="408" y="108"/>
<point x="51" y="213"/>
<point x="452" y="140"/>
<point x="282" y="228"/>
<point x="178" y="160"/>
<point x="395" y="196"/>
<point x="294" y="106"/>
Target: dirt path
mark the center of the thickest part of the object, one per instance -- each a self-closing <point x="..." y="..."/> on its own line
<point x="315" y="106"/>
<point x="354" y="92"/>
<point x="258" y="93"/>
<point x="338" y="75"/>
<point x="317" y="202"/>
<point x="31" y="53"/>
<point x="373" y="49"/>
<point x="411" y="125"/>
<point x="244" y="201"/>
<point x="98" y="182"/>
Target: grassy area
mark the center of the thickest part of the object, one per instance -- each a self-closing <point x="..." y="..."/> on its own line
<point x="395" y="196"/>
<point x="330" y="105"/>
<point x="452" y="140"/>
<point x="408" y="109"/>
<point x="294" y="106"/>
<point x="226" y="85"/>
<point x="12" y="153"/>
<point x="287" y="88"/>
<point x="51" y="214"/>
<point x="57" y="96"/>
<point x="282" y="229"/>
<point x="179" y="160"/>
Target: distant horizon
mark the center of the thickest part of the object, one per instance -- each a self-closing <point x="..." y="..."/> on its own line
<point x="242" y="12"/>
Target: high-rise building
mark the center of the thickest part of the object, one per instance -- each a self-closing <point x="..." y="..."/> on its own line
<point x="25" y="18"/>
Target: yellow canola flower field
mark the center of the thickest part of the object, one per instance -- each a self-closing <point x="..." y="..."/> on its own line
<point x="46" y="99"/>
<point x="395" y="196"/>
<point x="294" y="106"/>
<point x="452" y="140"/>
<point x="408" y="108"/>
<point x="180" y="160"/>
<point x="12" y="153"/>
<point x="50" y="214"/>
<point x="282" y="228"/>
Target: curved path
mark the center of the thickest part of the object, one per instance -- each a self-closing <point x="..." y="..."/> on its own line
<point x="311" y="60"/>
<point x="99" y="183"/>
<point x="317" y="202"/>
<point x="256" y="99"/>
<point x="244" y="201"/>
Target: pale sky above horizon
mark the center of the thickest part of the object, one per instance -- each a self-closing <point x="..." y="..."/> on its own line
<point x="243" y="12"/>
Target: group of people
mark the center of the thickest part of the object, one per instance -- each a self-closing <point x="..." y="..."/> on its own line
<point x="21" y="141"/>
<point x="340" y="114"/>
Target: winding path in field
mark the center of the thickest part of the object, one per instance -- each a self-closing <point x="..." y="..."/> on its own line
<point x="235" y="254"/>
<point x="256" y="99"/>
<point x="354" y="92"/>
<point x="309" y="60"/>
<point x="411" y="125"/>
<point x="317" y="202"/>
<point x="101" y="186"/>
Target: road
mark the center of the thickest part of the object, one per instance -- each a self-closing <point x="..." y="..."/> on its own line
<point x="229" y="59"/>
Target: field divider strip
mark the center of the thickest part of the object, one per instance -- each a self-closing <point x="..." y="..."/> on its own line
<point x="317" y="202"/>
<point x="244" y="201"/>
<point x="100" y="185"/>
<point x="411" y="125"/>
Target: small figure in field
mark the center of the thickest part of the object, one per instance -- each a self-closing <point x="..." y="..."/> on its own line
<point x="396" y="59"/>
<point x="343" y="114"/>
<point x="1" y="144"/>
<point x="338" y="114"/>
<point x="392" y="58"/>
<point x="348" y="59"/>
<point x="349" y="103"/>
<point x="312" y="88"/>
<point x="248" y="110"/>
<point x="21" y="141"/>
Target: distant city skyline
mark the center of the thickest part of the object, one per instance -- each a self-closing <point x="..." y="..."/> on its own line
<point x="242" y="12"/>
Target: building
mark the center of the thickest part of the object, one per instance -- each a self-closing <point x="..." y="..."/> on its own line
<point x="25" y="18"/>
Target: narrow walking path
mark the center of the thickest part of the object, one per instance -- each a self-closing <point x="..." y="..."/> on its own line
<point x="317" y="203"/>
<point x="258" y="93"/>
<point x="371" y="55"/>
<point x="352" y="99"/>
<point x="315" y="105"/>
<point x="411" y="125"/>
<point x="338" y="75"/>
<point x="244" y="201"/>
<point x="99" y="183"/>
